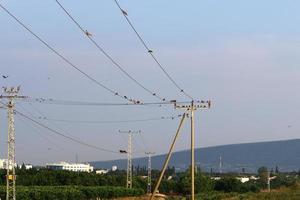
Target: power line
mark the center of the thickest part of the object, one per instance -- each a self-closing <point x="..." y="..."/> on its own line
<point x="101" y="49"/>
<point x="150" y="51"/>
<point x="51" y="48"/>
<point x="110" y="121"/>
<point x="43" y="117"/>
<point x="27" y="111"/>
<point x="84" y="103"/>
<point x="144" y="141"/>
<point x="65" y="136"/>
<point x="37" y="110"/>
<point x="39" y="132"/>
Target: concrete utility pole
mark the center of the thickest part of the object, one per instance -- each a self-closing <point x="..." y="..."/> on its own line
<point x="269" y="180"/>
<point x="220" y="165"/>
<point x="149" y="154"/>
<point x="168" y="157"/>
<point x="11" y="94"/>
<point x="192" y="107"/>
<point x="129" y="157"/>
<point x="189" y="108"/>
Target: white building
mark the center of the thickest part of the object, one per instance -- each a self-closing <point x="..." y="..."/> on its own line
<point x="215" y="178"/>
<point x="102" y="171"/>
<point x="3" y="164"/>
<point x="75" y="167"/>
<point x="243" y="179"/>
<point x="27" y="166"/>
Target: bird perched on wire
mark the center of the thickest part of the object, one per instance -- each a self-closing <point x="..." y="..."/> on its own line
<point x="123" y="151"/>
<point x="124" y="12"/>
<point x="88" y="33"/>
<point x="3" y="76"/>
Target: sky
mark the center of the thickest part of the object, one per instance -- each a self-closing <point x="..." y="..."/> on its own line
<point x="242" y="55"/>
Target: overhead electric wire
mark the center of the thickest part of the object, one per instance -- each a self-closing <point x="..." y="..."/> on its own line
<point x="109" y="121"/>
<point x="61" y="134"/>
<point x="37" y="110"/>
<point x="40" y="113"/>
<point x="84" y="103"/>
<point x="27" y="111"/>
<point x="65" y="136"/>
<point x="51" y="48"/>
<point x="107" y="55"/>
<point x="44" y="117"/>
<point x="139" y="148"/>
<point x="39" y="132"/>
<point x="144" y="141"/>
<point x="150" y="51"/>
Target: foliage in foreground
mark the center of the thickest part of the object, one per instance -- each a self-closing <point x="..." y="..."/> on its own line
<point x="71" y="192"/>
<point x="290" y="193"/>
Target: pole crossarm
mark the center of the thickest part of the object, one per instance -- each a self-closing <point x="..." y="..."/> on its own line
<point x="193" y="105"/>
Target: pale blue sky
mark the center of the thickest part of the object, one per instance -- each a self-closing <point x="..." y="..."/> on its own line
<point x="243" y="55"/>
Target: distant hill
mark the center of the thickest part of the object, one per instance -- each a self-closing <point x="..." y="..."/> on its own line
<point x="250" y="156"/>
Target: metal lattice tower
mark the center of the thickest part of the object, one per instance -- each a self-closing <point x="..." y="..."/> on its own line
<point x="129" y="157"/>
<point x="11" y="174"/>
<point x="11" y="94"/>
<point x="149" y="154"/>
<point x="220" y="164"/>
<point x="269" y="181"/>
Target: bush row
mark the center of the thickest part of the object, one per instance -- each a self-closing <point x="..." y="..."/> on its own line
<point x="71" y="192"/>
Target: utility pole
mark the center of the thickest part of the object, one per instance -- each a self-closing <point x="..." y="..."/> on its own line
<point x="129" y="157"/>
<point x="149" y="154"/>
<point x="192" y="107"/>
<point x="220" y="165"/>
<point x="168" y="157"/>
<point x="11" y="94"/>
<point x="269" y="180"/>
